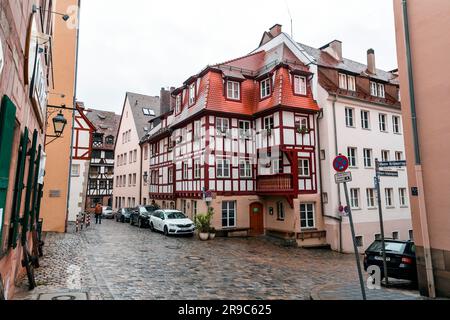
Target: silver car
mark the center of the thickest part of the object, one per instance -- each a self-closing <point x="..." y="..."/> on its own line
<point x="107" y="212"/>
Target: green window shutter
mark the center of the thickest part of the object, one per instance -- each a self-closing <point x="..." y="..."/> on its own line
<point x="7" y="123"/>
<point x="18" y="188"/>
<point x="26" y="215"/>
<point x="36" y="192"/>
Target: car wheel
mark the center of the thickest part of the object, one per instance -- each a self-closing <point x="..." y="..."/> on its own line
<point x="152" y="229"/>
<point x="122" y="219"/>
<point x="166" y="231"/>
<point x="140" y="224"/>
<point x="131" y="221"/>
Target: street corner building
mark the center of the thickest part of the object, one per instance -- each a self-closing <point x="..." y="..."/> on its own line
<point x="26" y="77"/>
<point x="256" y="136"/>
<point x="422" y="48"/>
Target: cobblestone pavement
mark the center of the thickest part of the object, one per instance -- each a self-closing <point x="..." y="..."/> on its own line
<point x="119" y="261"/>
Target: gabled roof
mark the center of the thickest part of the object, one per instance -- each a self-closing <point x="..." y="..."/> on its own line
<point x="323" y="59"/>
<point x="104" y="121"/>
<point x="137" y="103"/>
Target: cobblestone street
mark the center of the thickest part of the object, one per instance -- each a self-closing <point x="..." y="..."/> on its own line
<point x="118" y="261"/>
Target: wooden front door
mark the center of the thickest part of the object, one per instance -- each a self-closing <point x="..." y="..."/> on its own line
<point x="256" y="219"/>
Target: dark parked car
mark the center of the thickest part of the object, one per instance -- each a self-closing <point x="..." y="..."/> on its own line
<point x="141" y="216"/>
<point x="124" y="214"/>
<point x="400" y="258"/>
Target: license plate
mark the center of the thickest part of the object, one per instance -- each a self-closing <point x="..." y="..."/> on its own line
<point x="381" y="258"/>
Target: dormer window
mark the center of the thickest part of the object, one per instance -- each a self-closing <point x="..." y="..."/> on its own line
<point x="347" y="82"/>
<point x="110" y="140"/>
<point x="178" y="104"/>
<point x="265" y="88"/>
<point x="192" y="94"/>
<point x="233" y="90"/>
<point x="300" y="85"/>
<point x="377" y="90"/>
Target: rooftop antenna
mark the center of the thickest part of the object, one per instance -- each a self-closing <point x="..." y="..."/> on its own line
<point x="290" y="16"/>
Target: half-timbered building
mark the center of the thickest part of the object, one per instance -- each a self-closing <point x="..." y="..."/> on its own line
<point x="83" y="131"/>
<point x="243" y="136"/>
<point x="101" y="169"/>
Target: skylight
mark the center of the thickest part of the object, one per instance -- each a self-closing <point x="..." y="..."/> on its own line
<point x="148" y="112"/>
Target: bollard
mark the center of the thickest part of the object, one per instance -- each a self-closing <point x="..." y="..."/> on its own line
<point x="88" y="219"/>
<point x="76" y="225"/>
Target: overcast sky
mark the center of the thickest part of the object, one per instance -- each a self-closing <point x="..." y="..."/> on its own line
<point x="143" y="45"/>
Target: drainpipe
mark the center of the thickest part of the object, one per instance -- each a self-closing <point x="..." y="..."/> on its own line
<point x="339" y="219"/>
<point x="423" y="219"/>
<point x="140" y="176"/>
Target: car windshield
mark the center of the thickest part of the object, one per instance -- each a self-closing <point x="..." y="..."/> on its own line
<point x="175" y="215"/>
<point x="150" y="208"/>
<point x="127" y="210"/>
<point x="397" y="247"/>
<point x="108" y="208"/>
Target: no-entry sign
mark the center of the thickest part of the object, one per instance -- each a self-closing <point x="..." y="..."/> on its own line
<point x="341" y="163"/>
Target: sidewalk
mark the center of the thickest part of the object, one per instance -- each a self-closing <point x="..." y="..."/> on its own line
<point x="353" y="292"/>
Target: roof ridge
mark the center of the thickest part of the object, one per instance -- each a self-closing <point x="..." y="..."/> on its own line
<point x="236" y="59"/>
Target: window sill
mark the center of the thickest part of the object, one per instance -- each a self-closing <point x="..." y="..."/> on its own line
<point x="367" y="129"/>
<point x="372" y="208"/>
<point x="356" y="209"/>
<point x="351" y="127"/>
<point x="390" y="207"/>
<point x="404" y="207"/>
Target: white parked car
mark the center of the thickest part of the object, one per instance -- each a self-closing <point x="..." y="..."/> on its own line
<point x="171" y="222"/>
<point x="107" y="212"/>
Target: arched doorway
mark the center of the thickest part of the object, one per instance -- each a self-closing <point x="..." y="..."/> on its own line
<point x="256" y="212"/>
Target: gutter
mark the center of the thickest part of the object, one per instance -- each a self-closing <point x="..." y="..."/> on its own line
<point x="423" y="218"/>
<point x="73" y="116"/>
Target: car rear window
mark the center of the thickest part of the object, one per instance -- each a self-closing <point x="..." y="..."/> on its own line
<point x="396" y="247"/>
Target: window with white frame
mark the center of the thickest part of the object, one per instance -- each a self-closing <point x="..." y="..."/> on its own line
<point x="170" y="174"/>
<point x="268" y="123"/>
<point x="197" y="169"/>
<point x="265" y="88"/>
<point x="383" y="122"/>
<point x="368" y="158"/>
<point x="178" y="104"/>
<point x="349" y="117"/>
<point x="277" y="166"/>
<point x="300" y="85"/>
<point x="370" y="194"/>
<point x="185" y="170"/>
<point x="197" y="129"/>
<point x="403" y="197"/>
<point x="365" y="119"/>
<point x="351" y="154"/>
<point x="398" y="156"/>
<point x="223" y="168"/>
<point x="280" y="211"/>
<point x="244" y="129"/>
<point x="342" y="81"/>
<point x="75" y="170"/>
<point x="228" y="214"/>
<point x="192" y="94"/>
<point x="307" y="216"/>
<point x="351" y="83"/>
<point x="233" y="90"/>
<point x="385" y="155"/>
<point x="373" y="89"/>
<point x="389" y="197"/>
<point x="245" y="168"/>
<point x="381" y="92"/>
<point x="354" y="198"/>
<point x="396" y="124"/>
<point x="222" y="126"/>
<point x="304" y="169"/>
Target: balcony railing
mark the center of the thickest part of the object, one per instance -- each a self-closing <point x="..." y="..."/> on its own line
<point x="275" y="183"/>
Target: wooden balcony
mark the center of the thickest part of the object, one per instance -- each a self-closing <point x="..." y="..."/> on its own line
<point x="275" y="184"/>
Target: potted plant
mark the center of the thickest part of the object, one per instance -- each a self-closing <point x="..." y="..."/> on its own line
<point x="302" y="130"/>
<point x="202" y="222"/>
<point x="212" y="233"/>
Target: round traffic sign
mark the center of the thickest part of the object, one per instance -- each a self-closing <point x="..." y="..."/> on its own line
<point x="341" y="163"/>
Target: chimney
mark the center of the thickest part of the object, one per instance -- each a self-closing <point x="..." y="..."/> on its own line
<point x="334" y="49"/>
<point x="276" y="30"/>
<point x="164" y="100"/>
<point x="371" y="67"/>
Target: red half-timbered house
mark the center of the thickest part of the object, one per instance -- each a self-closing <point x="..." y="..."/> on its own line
<point x="243" y="134"/>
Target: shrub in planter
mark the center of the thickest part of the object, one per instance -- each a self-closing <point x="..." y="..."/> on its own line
<point x="203" y="224"/>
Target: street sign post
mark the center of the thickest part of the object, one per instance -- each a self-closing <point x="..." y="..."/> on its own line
<point x="341" y="164"/>
<point x="380" y="210"/>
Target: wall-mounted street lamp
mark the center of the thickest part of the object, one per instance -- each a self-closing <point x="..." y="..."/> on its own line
<point x="65" y="17"/>
<point x="59" y="123"/>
